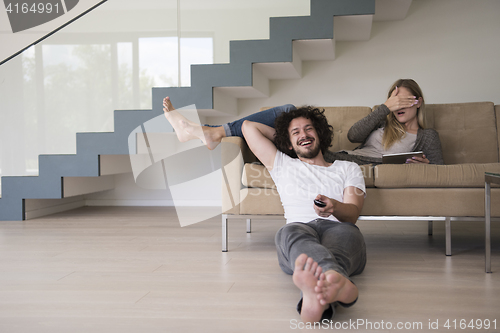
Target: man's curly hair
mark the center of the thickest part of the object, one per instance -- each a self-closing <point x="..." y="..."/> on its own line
<point x="319" y="121"/>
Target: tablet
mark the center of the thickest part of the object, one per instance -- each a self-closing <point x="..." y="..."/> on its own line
<point x="400" y="158"/>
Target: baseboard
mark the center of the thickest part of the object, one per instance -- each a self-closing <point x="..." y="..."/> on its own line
<point x="154" y="203"/>
<point x="43" y="207"/>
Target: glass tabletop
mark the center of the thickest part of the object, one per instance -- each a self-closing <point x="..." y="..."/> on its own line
<point x="492" y="178"/>
<point x="493" y="174"/>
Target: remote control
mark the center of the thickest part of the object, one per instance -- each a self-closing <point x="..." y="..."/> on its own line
<point x="319" y="203"/>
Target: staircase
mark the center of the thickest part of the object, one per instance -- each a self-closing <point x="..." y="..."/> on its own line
<point x="215" y="90"/>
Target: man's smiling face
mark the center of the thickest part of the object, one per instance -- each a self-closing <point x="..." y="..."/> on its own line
<point x="303" y="138"/>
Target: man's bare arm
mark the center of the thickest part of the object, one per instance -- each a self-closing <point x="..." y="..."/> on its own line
<point x="259" y="138"/>
<point x="347" y="211"/>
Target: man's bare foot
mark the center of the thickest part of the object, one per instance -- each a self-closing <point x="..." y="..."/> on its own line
<point x="333" y="286"/>
<point x="187" y="130"/>
<point x="305" y="277"/>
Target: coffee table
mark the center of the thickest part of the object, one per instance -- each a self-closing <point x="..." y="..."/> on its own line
<point x="489" y="178"/>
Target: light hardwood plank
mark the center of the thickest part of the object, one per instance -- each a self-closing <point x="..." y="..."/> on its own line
<point x="135" y="269"/>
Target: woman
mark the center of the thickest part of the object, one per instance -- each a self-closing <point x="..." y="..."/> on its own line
<point x="397" y="126"/>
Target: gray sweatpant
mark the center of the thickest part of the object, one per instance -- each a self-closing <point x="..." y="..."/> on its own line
<point x="333" y="245"/>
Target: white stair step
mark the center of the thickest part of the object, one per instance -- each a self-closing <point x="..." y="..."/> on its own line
<point x="225" y="98"/>
<point x="391" y="10"/>
<point x="73" y="186"/>
<point x="224" y="103"/>
<point x="315" y="49"/>
<point x="352" y="28"/>
<point x="259" y="88"/>
<point x="114" y="164"/>
<point x="282" y="70"/>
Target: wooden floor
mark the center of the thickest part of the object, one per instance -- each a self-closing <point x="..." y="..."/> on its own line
<point x="100" y="269"/>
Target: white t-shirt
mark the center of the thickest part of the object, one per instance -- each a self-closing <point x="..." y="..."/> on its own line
<point x="298" y="183"/>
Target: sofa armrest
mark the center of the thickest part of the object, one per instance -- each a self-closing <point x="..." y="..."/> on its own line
<point x="234" y="153"/>
<point x="248" y="156"/>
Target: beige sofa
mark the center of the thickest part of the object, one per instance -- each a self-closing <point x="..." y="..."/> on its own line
<point x="470" y="142"/>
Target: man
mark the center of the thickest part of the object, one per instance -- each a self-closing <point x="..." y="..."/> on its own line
<point x="320" y="246"/>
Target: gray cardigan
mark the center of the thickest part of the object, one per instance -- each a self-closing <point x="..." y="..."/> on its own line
<point x="427" y="139"/>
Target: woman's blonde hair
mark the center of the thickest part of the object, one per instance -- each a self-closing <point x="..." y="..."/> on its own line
<point x="394" y="130"/>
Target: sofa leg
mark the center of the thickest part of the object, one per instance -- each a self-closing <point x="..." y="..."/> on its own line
<point x="429" y="228"/>
<point x="249" y="226"/>
<point x="224" y="233"/>
<point x="447" y="224"/>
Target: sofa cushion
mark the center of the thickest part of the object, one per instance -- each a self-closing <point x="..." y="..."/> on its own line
<point x="468" y="131"/>
<point x="421" y="175"/>
<point x="342" y="118"/>
<point x="257" y="176"/>
<point x="368" y="172"/>
<point x="429" y="202"/>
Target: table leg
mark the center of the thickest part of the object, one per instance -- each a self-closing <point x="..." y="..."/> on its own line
<point x="447" y="226"/>
<point x="224" y="233"/>
<point x="249" y="226"/>
<point x="487" y="226"/>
